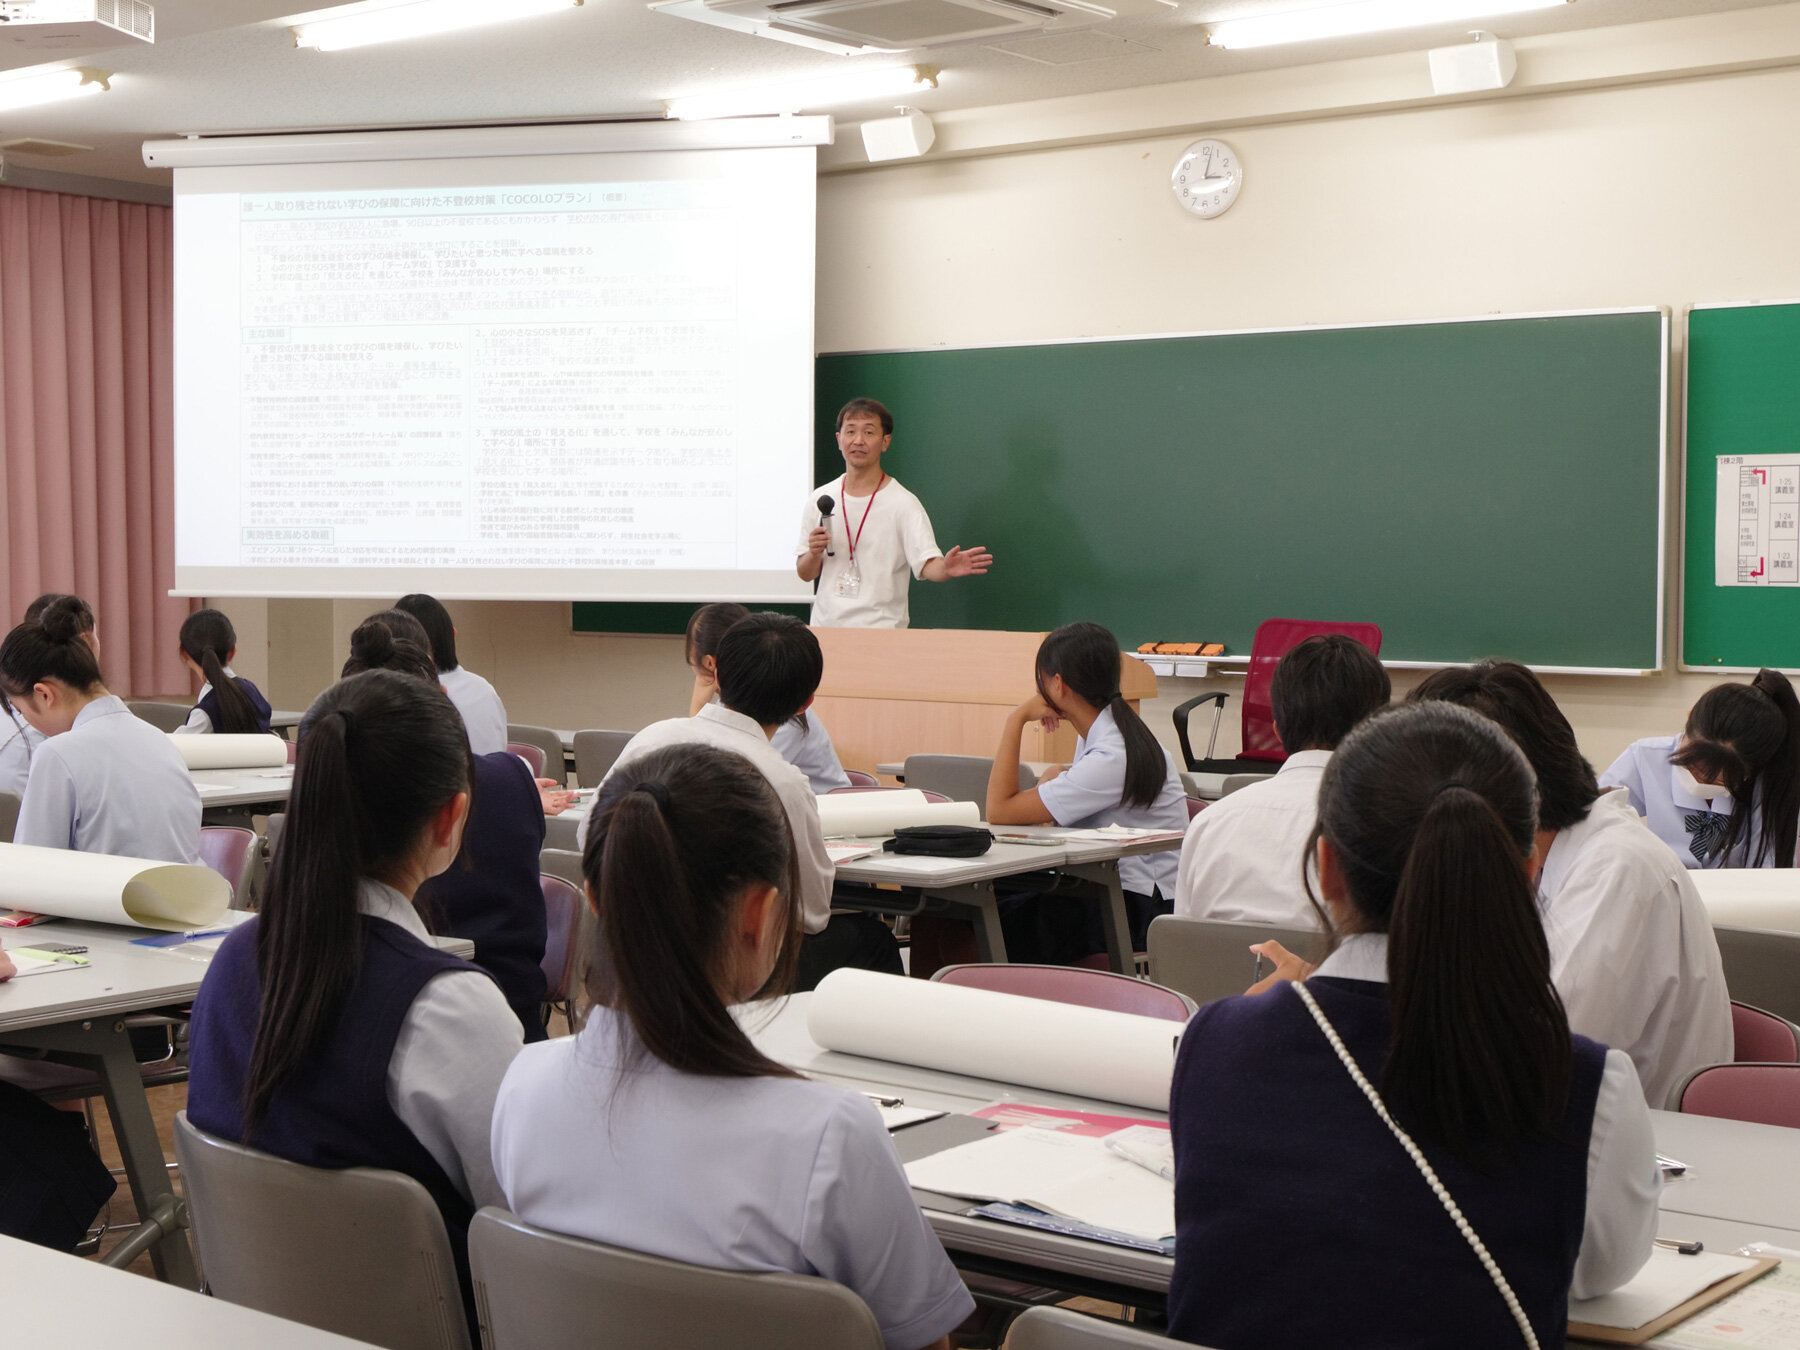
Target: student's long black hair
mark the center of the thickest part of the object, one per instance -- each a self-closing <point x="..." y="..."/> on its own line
<point x="676" y="837"/>
<point x="51" y="647"/>
<point x="207" y="639"/>
<point x="1747" y="737"/>
<point x="1432" y="812"/>
<point x="440" y="632"/>
<point x="1088" y="659"/>
<point x="380" y="755"/>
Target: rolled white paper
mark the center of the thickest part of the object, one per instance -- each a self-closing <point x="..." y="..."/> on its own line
<point x="1060" y="1047"/>
<point x="1751" y="897"/>
<point x="255" y="751"/>
<point x="870" y="814"/>
<point x="105" y="889"/>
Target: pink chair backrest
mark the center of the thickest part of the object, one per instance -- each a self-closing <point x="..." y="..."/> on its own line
<point x="224" y="849"/>
<point x="1195" y="806"/>
<point x="293" y="751"/>
<point x="1761" y="1037"/>
<point x="562" y="913"/>
<point x="531" y="754"/>
<point x="860" y="779"/>
<point x="1766" y="1094"/>
<point x="856" y="787"/>
<point x="1073" y="984"/>
<point x="1274" y="638"/>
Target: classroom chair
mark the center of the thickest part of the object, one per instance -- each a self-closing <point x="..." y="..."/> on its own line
<point x="563" y="901"/>
<point x="1234" y="782"/>
<point x="531" y="754"/>
<point x="1764" y="1094"/>
<point x="1262" y="752"/>
<point x="1063" y="1329"/>
<point x="961" y="778"/>
<point x="358" y="1251"/>
<point x="1211" y="958"/>
<point x="1760" y="966"/>
<point x="162" y="716"/>
<point x="535" y="1288"/>
<point x="230" y="850"/>
<point x="1195" y="805"/>
<point x="9" y="815"/>
<point x="549" y="744"/>
<point x="1073" y="984"/>
<point x="1760" y="1037"/>
<point x="564" y="863"/>
<point x="595" y="754"/>
<point x="860" y="779"/>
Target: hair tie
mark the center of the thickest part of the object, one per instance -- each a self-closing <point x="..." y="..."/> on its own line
<point x="657" y="792"/>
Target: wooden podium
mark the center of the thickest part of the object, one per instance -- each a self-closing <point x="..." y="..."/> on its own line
<point x="893" y="692"/>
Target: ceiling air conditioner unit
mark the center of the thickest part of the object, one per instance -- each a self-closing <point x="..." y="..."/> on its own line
<point x="850" y="26"/>
<point x="48" y="28"/>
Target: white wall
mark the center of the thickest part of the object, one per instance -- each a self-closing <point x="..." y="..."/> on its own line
<point x="1660" y="193"/>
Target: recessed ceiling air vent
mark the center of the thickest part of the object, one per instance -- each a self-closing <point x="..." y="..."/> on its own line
<point x="850" y="26"/>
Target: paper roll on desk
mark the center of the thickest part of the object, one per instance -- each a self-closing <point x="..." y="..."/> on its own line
<point x="1751" y="897"/>
<point x="1084" y="1052"/>
<point x="105" y="889"/>
<point x="232" y="752"/>
<point x="870" y="814"/>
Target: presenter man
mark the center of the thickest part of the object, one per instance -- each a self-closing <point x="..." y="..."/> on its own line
<point x="873" y="533"/>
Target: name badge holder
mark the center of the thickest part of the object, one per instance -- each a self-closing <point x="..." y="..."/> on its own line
<point x="849" y="582"/>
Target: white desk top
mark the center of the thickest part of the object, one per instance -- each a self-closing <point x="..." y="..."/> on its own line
<point x="285" y="717"/>
<point x="54" y="1299"/>
<point x="242" y="787"/>
<point x="1751" y="897"/>
<point x="122" y="978"/>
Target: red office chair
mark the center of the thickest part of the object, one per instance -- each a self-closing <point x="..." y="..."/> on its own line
<point x="860" y="779"/>
<point x="1262" y="752"/>
<point x="1763" y="1038"/>
<point x="1765" y="1094"/>
<point x="531" y="754"/>
<point x="1074" y="984"/>
<point x="562" y="920"/>
<point x="1195" y="806"/>
<point x="227" y="849"/>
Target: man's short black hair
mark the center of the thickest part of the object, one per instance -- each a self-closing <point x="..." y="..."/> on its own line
<point x="867" y="407"/>
<point x="769" y="666"/>
<point x="1323" y="687"/>
<point x="1511" y="695"/>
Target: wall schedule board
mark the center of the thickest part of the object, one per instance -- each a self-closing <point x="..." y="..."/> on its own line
<point x="1478" y="488"/>
<point x="1741" y="530"/>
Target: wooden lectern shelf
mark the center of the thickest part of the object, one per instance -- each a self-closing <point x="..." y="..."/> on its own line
<point x="893" y="692"/>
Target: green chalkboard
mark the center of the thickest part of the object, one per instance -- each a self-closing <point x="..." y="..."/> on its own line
<point x="1743" y="398"/>
<point x="1489" y="487"/>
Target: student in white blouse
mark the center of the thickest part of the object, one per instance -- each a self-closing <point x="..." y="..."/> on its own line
<point x="483" y="714"/>
<point x="660" y="1127"/>
<point x="1632" y="949"/>
<point x="1245" y="856"/>
<point x="801" y="740"/>
<point x="18" y="738"/>
<point x="1726" y="792"/>
<point x="1121" y="775"/>
<point x="103" y="780"/>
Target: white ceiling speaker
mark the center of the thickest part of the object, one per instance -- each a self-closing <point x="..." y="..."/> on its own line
<point x="1475" y="67"/>
<point x="904" y="137"/>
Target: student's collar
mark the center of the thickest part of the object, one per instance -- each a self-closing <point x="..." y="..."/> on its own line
<point x="727" y="717"/>
<point x="1361" y="956"/>
<point x="379" y="900"/>
<point x="1305" y="759"/>
<point x="105" y="706"/>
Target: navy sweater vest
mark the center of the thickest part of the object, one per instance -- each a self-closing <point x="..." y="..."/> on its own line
<point x="210" y="705"/>
<point x="491" y="893"/>
<point x="1301" y="1221"/>
<point x="333" y="1112"/>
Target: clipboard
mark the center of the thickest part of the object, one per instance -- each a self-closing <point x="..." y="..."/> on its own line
<point x="1587" y="1331"/>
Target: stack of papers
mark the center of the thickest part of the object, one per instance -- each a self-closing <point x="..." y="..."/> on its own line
<point x="1667" y="1280"/>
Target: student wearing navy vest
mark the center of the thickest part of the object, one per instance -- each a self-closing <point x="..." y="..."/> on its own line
<point x="491" y="893"/>
<point x="329" y="1031"/>
<point x="1301" y="1218"/>
<point x="227" y="703"/>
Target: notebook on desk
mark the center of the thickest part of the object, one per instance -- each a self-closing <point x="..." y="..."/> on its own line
<point x="1669" y="1290"/>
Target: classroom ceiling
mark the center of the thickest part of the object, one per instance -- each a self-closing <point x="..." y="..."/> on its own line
<point x="230" y="65"/>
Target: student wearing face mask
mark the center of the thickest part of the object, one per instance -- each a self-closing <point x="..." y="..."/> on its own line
<point x="1726" y="792"/>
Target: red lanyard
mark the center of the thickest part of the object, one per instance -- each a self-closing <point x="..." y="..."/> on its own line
<point x="845" y="512"/>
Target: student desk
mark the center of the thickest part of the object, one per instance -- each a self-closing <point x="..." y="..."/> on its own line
<point x="1751" y="897"/>
<point x="57" y="1299"/>
<point x="79" y="1015"/>
<point x="1743" y="1183"/>
<point x="233" y="796"/>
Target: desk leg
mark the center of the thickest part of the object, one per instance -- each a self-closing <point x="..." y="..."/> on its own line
<point x="1115" y="921"/>
<point x="978" y="902"/>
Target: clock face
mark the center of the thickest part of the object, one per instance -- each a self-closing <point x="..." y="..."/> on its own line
<point x="1206" y="178"/>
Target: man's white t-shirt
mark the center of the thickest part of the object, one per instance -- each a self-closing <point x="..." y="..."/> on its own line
<point x="892" y="534"/>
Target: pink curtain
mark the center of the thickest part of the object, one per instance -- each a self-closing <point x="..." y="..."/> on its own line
<point x="87" y="424"/>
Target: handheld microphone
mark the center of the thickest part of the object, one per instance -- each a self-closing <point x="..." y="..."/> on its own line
<point x="826" y="505"/>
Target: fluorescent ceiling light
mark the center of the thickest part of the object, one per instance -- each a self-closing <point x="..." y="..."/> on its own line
<point x="1360" y="16"/>
<point x="858" y="84"/>
<point x="365" y="26"/>
<point x="28" y="88"/>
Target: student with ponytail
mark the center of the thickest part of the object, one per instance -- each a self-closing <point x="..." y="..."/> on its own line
<point x="1121" y="775"/>
<point x="103" y="780"/>
<point x="227" y="702"/>
<point x="329" y="1031"/>
<point x="659" y="1126"/>
<point x="1726" y="792"/>
<point x="1300" y="1217"/>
